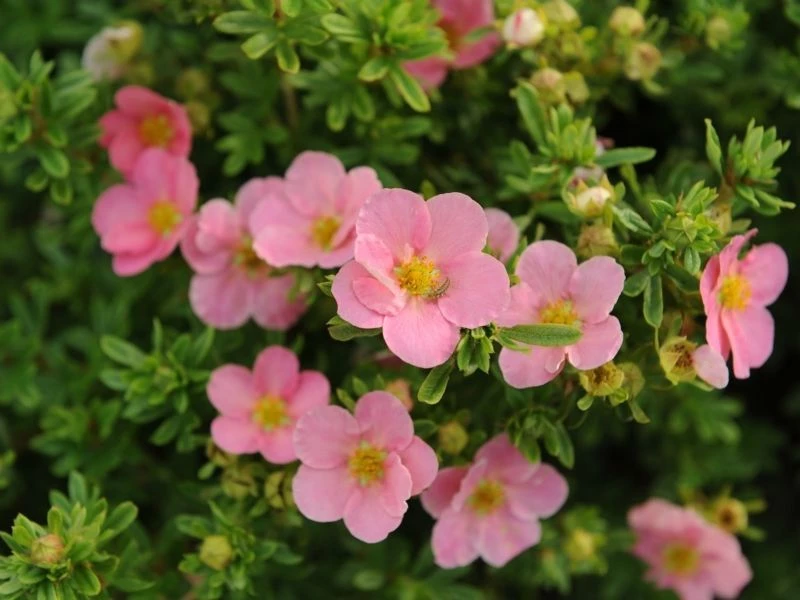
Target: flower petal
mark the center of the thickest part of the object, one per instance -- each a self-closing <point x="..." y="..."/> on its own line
<point x="348" y="306"/>
<point x="235" y="435"/>
<point x="277" y="446"/>
<point x="358" y="185"/>
<point x="118" y="204"/>
<point x="276" y="371"/>
<point x="503" y="237"/>
<point x="366" y="518"/>
<point x="501" y="537"/>
<point x="458" y="225"/>
<point x="139" y="101"/>
<point x="398" y="218"/>
<point x="710" y="366"/>
<point x="438" y="497"/>
<point x="504" y="461"/>
<point x="395" y="488"/>
<point x="477" y="292"/>
<point x="377" y="297"/>
<point x="595" y="287"/>
<point x="253" y="192"/>
<point x="420" y="335"/>
<point x="547" y="267"/>
<point x="313" y="390"/>
<point x="522" y="309"/>
<point x="231" y="390"/>
<point x="532" y="368"/>
<point x="766" y="268"/>
<point x="540" y="496"/>
<point x="430" y="72"/>
<point x="453" y="539"/>
<point x="322" y="494"/>
<point x="599" y="343"/>
<point x="272" y="307"/>
<point x="384" y="421"/>
<point x="421" y="462"/>
<point x="312" y="181"/>
<point x="325" y="437"/>
<point x="752" y="336"/>
<point x="222" y="300"/>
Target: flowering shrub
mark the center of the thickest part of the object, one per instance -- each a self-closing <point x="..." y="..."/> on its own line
<point x="415" y="299"/>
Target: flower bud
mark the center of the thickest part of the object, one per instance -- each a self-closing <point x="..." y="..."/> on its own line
<point x="238" y="481"/>
<point x="626" y="21"/>
<point x="216" y="552"/>
<point x="643" y="62"/>
<point x="634" y="379"/>
<point x="561" y="14"/>
<point x="401" y="389"/>
<point x="719" y="213"/>
<point x="218" y="456"/>
<point x="278" y="490"/>
<point x="192" y="83"/>
<point x="577" y="90"/>
<point x="550" y="85"/>
<point x="589" y="202"/>
<point x="47" y="550"/>
<point x="602" y="381"/>
<point x="580" y="545"/>
<point x="597" y="240"/>
<point x="523" y="28"/>
<point x="199" y="115"/>
<point x="453" y="437"/>
<point x="718" y="32"/>
<point x="729" y="514"/>
<point x="108" y="51"/>
<point x="675" y="356"/>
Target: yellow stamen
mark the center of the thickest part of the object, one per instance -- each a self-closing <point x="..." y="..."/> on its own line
<point x="487" y="497"/>
<point x="420" y="277"/>
<point x="164" y="217"/>
<point x="247" y="259"/>
<point x="155" y="130"/>
<point x="323" y="231"/>
<point x="560" y="312"/>
<point x="366" y="464"/>
<point x="734" y="293"/>
<point x="270" y="413"/>
<point x="680" y="559"/>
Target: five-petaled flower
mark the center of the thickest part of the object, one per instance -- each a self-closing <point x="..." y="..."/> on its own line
<point x="361" y="467"/>
<point x="491" y="508"/>
<point x="259" y="410"/>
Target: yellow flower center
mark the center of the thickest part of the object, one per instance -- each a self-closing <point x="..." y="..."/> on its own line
<point x="560" y="312"/>
<point x="420" y="277"/>
<point x="735" y="292"/>
<point x="487" y="497"/>
<point x="323" y="230"/>
<point x="164" y="217"/>
<point x="247" y="260"/>
<point x="155" y="130"/>
<point x="680" y="559"/>
<point x="270" y="413"/>
<point x="366" y="464"/>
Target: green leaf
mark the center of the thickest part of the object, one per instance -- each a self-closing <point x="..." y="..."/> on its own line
<point x="242" y="21"/>
<point x="543" y="334"/>
<point x="259" y="44"/>
<point x="121" y="351"/>
<point x="654" y="302"/>
<point x="288" y="60"/>
<point x="410" y="89"/>
<point x="121" y="517"/>
<point x="636" y="283"/>
<point x="532" y="113"/>
<point x="631" y="219"/>
<point x="433" y="387"/>
<point x="86" y="581"/>
<point x="61" y="192"/>
<point x="374" y="69"/>
<point x="291" y="8"/>
<point x="685" y="280"/>
<point x="78" y="492"/>
<point x="713" y="147"/>
<point x="343" y="28"/>
<point x="637" y="413"/>
<point x="53" y="161"/>
<point x="342" y="331"/>
<point x="624" y="156"/>
<point x="586" y="402"/>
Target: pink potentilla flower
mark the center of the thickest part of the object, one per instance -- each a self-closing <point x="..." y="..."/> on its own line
<point x="491" y="509"/>
<point x="141" y="222"/>
<point x="232" y="284"/>
<point x="553" y="288"/>
<point x="503" y="235"/>
<point x="686" y="554"/>
<point x="143" y="120"/>
<point x="362" y="467"/>
<point x="259" y="410"/>
<point x="458" y="19"/>
<point x="710" y="366"/>
<point x="735" y="295"/>
<point x="311" y="221"/>
<point x="420" y="274"/>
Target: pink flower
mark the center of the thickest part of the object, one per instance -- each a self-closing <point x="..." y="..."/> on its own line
<point x="503" y="234"/>
<point x="420" y="274"/>
<point x="458" y="19"/>
<point x="491" y="509"/>
<point x="710" y="366"/>
<point x="232" y="284"/>
<point x="141" y="222"/>
<point x="311" y="220"/>
<point x="735" y="295"/>
<point x="143" y="120"/>
<point x="553" y="288"/>
<point x="259" y="410"/>
<point x="361" y="468"/>
<point x="686" y="554"/>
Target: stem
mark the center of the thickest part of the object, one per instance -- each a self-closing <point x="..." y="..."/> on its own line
<point x="290" y="99"/>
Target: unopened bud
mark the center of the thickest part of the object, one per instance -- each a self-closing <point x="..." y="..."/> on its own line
<point x="523" y="28"/>
<point x="589" y="202"/>
<point x="729" y="514"/>
<point x="562" y="14"/>
<point x="580" y="545"/>
<point x="597" y="240"/>
<point x="643" y="62"/>
<point x="216" y="552"/>
<point x="218" y="456"/>
<point x="626" y="21"/>
<point x="602" y="381"/>
<point x="199" y="115"/>
<point x="634" y="379"/>
<point x="47" y="550"/>
<point x="278" y="490"/>
<point x="401" y="389"/>
<point x="191" y="83"/>
<point x="718" y="32"/>
<point x="453" y="438"/>
<point x="238" y="482"/>
<point x="577" y="90"/>
<point x="107" y="53"/>
<point x="550" y="85"/>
